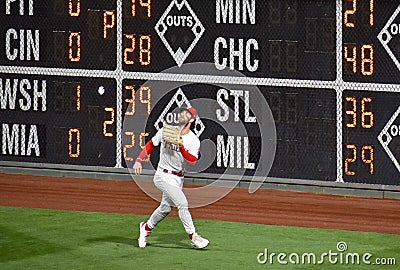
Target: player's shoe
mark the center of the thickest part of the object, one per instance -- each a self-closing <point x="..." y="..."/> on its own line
<point x="199" y="242"/>
<point x="144" y="234"/>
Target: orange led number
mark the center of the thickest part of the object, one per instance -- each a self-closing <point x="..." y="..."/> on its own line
<point x="366" y="114"/>
<point x="108" y="122"/>
<point x="367" y="117"/>
<point x="129" y="146"/>
<point x="74" y="142"/>
<point x="366" y="158"/>
<point x="351" y="59"/>
<point x="74" y="43"/>
<point x="353" y="11"/>
<point x="350" y="159"/>
<point x="371" y="15"/>
<point x="367" y="58"/>
<point x="131" y="100"/>
<point x="146" y="100"/>
<point x="144" y="50"/>
<point x="129" y="50"/>
<point x="133" y="8"/>
<point x="132" y="144"/>
<point x="74" y="8"/>
<point x="352" y="112"/>
<point x="78" y="97"/>
<point x="350" y="12"/>
<point x="367" y="62"/>
<point x="145" y="4"/>
<point x="369" y="160"/>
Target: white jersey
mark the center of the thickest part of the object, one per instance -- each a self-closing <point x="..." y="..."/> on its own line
<point x="170" y="156"/>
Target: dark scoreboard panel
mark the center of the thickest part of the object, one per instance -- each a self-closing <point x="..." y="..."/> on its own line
<point x="59" y="33"/>
<point x="371" y="49"/>
<point x="371" y="138"/>
<point x="304" y="118"/>
<point x="72" y="71"/>
<point x="278" y="39"/>
<point x="371" y="44"/>
<point x="62" y="120"/>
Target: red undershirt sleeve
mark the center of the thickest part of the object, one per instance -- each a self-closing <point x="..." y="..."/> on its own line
<point x="187" y="156"/>
<point x="147" y="149"/>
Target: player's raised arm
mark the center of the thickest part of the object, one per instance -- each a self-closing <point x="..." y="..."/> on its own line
<point x="190" y="159"/>
<point x="147" y="149"/>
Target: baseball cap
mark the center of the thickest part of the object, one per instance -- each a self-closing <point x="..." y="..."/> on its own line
<point x="190" y="109"/>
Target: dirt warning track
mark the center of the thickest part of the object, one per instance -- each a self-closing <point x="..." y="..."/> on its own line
<point x="265" y="206"/>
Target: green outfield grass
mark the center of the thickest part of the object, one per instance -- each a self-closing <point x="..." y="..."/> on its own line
<point x="49" y="239"/>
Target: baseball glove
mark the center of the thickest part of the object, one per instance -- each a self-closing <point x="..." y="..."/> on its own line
<point x="172" y="135"/>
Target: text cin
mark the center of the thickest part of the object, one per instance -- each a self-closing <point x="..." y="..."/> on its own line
<point x="22" y="44"/>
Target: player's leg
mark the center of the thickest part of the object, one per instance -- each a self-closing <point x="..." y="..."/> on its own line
<point x="172" y="190"/>
<point x="161" y="212"/>
<point x="179" y="199"/>
<point x="175" y="194"/>
<point x="157" y="216"/>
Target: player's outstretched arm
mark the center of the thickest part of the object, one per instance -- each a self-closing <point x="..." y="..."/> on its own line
<point x="147" y="149"/>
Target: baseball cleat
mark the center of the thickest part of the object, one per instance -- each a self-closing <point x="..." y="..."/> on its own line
<point x="199" y="242"/>
<point x="142" y="240"/>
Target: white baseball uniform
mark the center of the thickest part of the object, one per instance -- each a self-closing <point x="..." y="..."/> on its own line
<point x="169" y="179"/>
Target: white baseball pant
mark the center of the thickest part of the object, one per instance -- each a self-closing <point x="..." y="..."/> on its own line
<point x="172" y="194"/>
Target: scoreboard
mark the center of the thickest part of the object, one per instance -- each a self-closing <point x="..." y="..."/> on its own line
<point x="59" y="34"/>
<point x="305" y="90"/>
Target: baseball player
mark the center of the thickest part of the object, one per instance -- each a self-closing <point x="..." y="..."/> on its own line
<point x="176" y="146"/>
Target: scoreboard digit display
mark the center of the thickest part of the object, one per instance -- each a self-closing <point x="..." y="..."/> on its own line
<point x="59" y="33"/>
<point x="73" y="72"/>
<point x="368" y="141"/>
<point x="370" y="41"/>
<point x="370" y="54"/>
<point x="70" y="120"/>
<point x="276" y="38"/>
